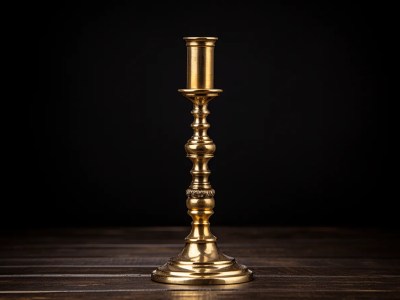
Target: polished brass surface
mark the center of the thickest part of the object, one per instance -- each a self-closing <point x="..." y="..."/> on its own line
<point x="200" y="62"/>
<point x="200" y="261"/>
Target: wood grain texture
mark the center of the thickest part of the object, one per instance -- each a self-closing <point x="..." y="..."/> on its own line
<point x="289" y="263"/>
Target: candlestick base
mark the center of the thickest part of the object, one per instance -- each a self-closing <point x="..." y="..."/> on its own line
<point x="202" y="263"/>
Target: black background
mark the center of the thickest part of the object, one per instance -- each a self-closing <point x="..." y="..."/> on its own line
<point x="301" y="128"/>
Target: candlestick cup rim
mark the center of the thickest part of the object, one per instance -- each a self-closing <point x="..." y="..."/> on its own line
<point x="200" y="38"/>
<point x="200" y="42"/>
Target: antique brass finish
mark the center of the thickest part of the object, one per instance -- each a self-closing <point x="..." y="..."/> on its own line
<point x="200" y="62"/>
<point x="201" y="262"/>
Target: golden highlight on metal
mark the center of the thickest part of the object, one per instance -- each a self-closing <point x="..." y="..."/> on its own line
<point x="200" y="261"/>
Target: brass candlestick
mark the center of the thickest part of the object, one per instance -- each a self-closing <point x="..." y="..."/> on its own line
<point x="200" y="261"/>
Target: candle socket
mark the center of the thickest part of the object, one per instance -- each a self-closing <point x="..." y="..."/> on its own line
<point x="200" y="261"/>
<point x="200" y="62"/>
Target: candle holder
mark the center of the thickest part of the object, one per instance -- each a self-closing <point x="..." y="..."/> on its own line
<point x="200" y="261"/>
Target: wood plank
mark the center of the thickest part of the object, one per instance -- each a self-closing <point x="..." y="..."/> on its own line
<point x="209" y="295"/>
<point x="249" y="261"/>
<point x="267" y="283"/>
<point x="292" y="248"/>
<point x="145" y="271"/>
<point x="177" y="234"/>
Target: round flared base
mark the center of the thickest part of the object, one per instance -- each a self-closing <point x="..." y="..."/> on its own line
<point x="225" y="271"/>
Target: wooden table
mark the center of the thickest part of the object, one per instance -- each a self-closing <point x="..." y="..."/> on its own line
<point x="303" y="263"/>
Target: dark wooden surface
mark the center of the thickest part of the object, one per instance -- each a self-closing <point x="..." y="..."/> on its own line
<point x="289" y="263"/>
